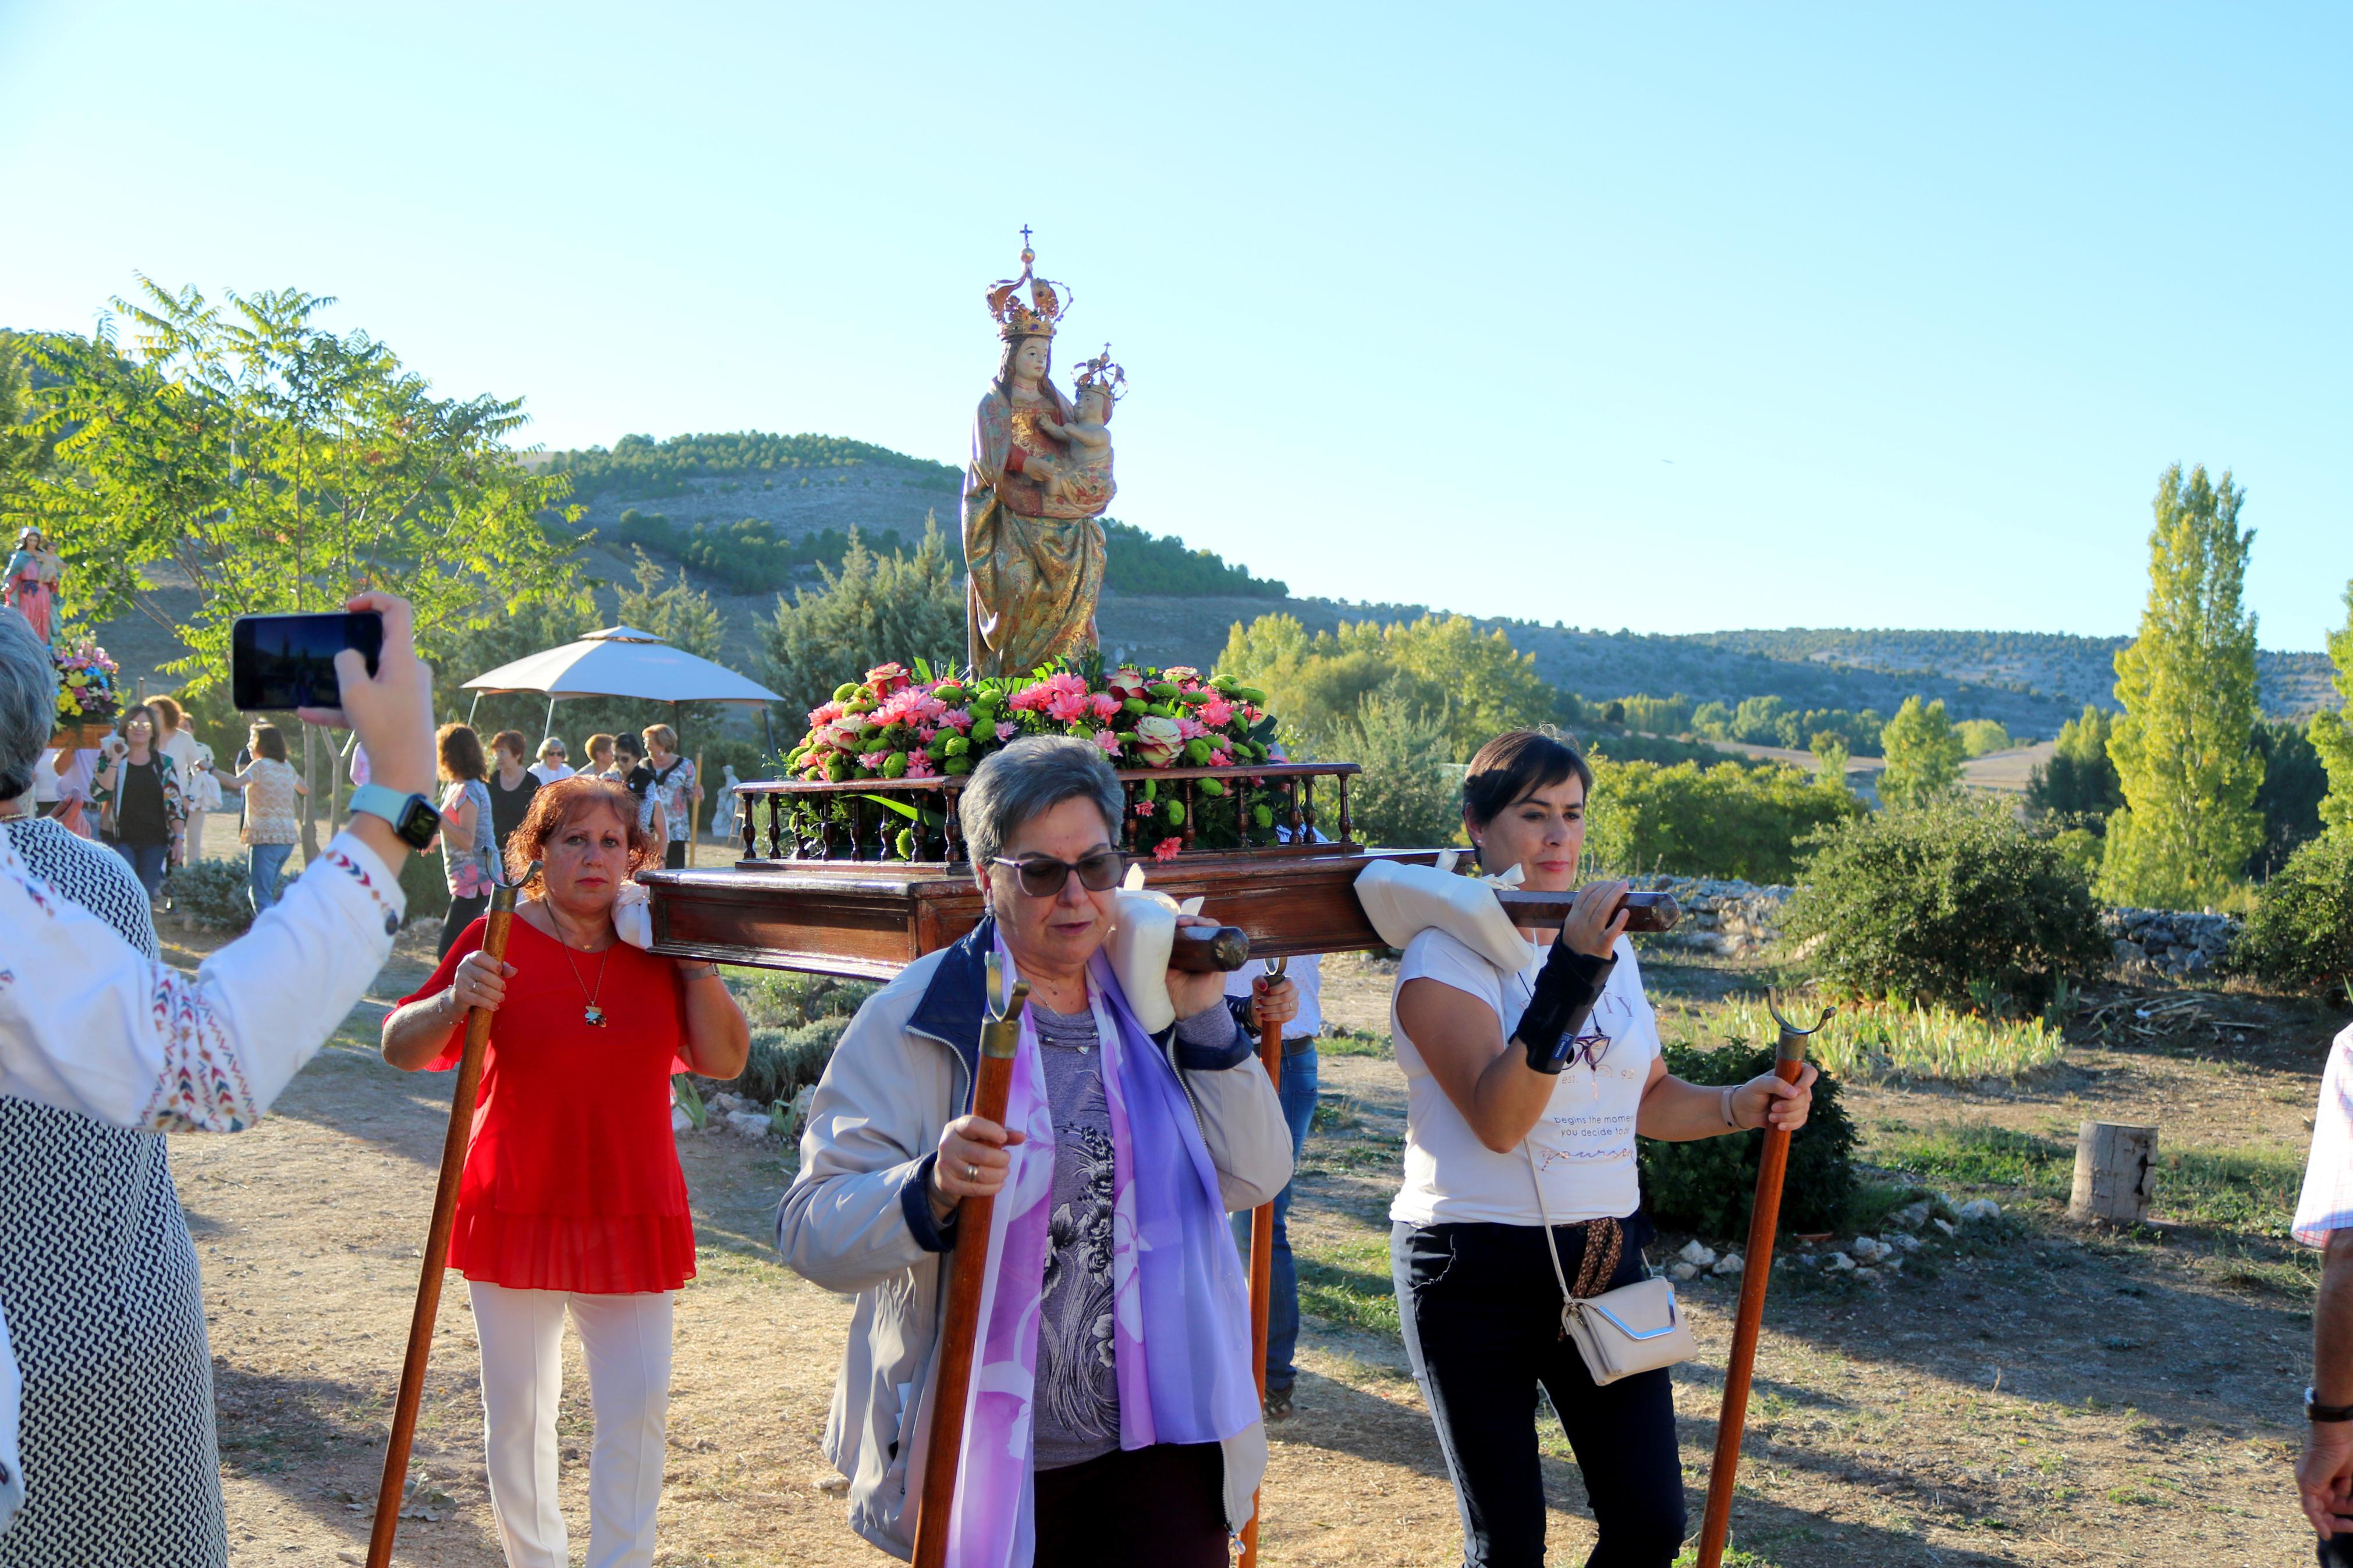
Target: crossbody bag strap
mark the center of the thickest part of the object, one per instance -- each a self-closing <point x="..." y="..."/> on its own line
<point x="1605" y="1242"/>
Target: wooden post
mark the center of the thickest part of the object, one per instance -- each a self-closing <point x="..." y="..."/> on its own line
<point x="2112" y="1172"/>
<point x="1000" y="1036"/>
<point x="436" y="1239"/>
<point x="1261" y="1264"/>
<point x="1764" y="1220"/>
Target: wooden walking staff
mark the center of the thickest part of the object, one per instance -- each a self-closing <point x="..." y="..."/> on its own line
<point x="436" y="1237"/>
<point x="1262" y="1265"/>
<point x="1000" y="1036"/>
<point x="1773" y="1162"/>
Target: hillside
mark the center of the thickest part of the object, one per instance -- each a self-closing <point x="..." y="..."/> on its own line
<point x="794" y="489"/>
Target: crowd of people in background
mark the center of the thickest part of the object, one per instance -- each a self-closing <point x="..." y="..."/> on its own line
<point x="145" y="791"/>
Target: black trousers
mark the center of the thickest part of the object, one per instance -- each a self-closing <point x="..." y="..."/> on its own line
<point x="463" y="912"/>
<point x="1162" y="1506"/>
<point x="1481" y="1311"/>
<point x="674" y="857"/>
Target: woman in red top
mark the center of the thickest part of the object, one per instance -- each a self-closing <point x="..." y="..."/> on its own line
<point x="572" y="1196"/>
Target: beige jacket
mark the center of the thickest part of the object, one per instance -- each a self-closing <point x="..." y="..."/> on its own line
<point x="857" y="1219"/>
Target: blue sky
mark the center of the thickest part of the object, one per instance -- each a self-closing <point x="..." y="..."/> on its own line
<point x="1668" y="318"/>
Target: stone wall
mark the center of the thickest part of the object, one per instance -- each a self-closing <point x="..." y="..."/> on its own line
<point x="1736" y="919"/>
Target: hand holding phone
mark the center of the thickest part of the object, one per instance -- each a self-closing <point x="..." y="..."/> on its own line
<point x="278" y="662"/>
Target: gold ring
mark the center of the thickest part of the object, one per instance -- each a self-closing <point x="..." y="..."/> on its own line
<point x="972" y="1172"/>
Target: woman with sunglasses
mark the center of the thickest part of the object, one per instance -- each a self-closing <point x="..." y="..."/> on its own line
<point x="1526" y="1090"/>
<point x="1116" y="1400"/>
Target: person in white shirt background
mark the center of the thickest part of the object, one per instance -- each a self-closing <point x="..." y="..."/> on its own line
<point x="551" y="764"/>
<point x="91" y="1024"/>
<point x="2324" y="1219"/>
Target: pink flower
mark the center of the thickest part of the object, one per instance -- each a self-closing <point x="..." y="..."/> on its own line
<point x="1007" y="729"/>
<point x="1168" y="849"/>
<point x="1124" y="682"/>
<point x="1215" y="712"/>
<point x="1144" y="808"/>
<point x="919" y="765"/>
<point x="1031" y="699"/>
<point x="957" y="718"/>
<point x="1108" y="742"/>
<point x="1220" y="759"/>
<point x="1192" y="729"/>
<point x="1104" y="705"/>
<point x="819" y="717"/>
<point x="1067" y="706"/>
<point x="887" y="678"/>
<point x="872" y="761"/>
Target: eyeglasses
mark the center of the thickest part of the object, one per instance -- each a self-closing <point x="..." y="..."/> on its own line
<point x="1043" y="876"/>
<point x="1588" y="1049"/>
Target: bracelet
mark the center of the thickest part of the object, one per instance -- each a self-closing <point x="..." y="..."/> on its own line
<point x="1729" y="1120"/>
<point x="707" y="971"/>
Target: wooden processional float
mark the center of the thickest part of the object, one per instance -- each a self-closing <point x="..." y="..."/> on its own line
<point x="861" y="879"/>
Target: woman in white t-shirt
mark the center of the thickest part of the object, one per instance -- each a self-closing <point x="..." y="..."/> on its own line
<point x="1526" y="1090"/>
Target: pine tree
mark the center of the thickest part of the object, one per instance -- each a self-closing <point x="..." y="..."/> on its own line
<point x="2188" y="687"/>
<point x="1924" y="754"/>
<point x="2332" y="736"/>
<point x="878" y="609"/>
<point x="2079" y="782"/>
<point x="1830" y="753"/>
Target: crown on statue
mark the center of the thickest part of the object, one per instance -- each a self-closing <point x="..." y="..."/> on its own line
<point x="1048" y="301"/>
<point x="1098" y="374"/>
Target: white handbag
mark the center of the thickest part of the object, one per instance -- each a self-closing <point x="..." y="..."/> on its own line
<point x="1635" y="1328"/>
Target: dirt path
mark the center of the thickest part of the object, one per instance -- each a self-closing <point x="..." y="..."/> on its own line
<point x="2049" y="1399"/>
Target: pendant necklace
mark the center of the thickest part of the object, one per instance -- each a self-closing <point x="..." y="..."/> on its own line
<point x="594" y="1016"/>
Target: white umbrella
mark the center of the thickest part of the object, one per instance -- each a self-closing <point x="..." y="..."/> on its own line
<point x="620" y="661"/>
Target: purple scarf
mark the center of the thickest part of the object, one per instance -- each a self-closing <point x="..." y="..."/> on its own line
<point x="1180" y="1337"/>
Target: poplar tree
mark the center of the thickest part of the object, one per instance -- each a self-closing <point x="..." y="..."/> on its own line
<point x="2332" y="737"/>
<point x="2188" y="687"/>
<point x="1924" y="754"/>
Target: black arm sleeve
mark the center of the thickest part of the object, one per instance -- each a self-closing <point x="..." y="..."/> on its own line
<point x="1567" y="988"/>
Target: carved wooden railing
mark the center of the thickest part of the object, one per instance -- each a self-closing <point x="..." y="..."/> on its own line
<point x="857" y="826"/>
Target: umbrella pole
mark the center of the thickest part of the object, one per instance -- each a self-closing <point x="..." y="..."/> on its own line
<point x="549" y="728"/>
<point x="1764" y="1220"/>
<point x="473" y="707"/>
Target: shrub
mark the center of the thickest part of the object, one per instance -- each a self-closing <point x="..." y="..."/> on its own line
<point x="1879" y="1039"/>
<point x="426" y="885"/>
<point x="1408" y="796"/>
<point x="1709" y="1184"/>
<point x="784" y="1060"/>
<point x="2300" y="935"/>
<point x="1724" y="821"/>
<point x="1929" y="903"/>
<point x="213" y="893"/>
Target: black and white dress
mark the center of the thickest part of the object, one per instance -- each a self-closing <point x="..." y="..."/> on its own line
<point x="98" y="1284"/>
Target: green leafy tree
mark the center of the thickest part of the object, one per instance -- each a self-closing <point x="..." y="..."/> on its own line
<point x="1982" y="736"/>
<point x="1923" y="752"/>
<point x="1475" y="682"/>
<point x="2188" y="687"/>
<point x="2294" y="783"/>
<point x="2332" y="736"/>
<point x="1729" y="820"/>
<point x="2078" y="784"/>
<point x="1408" y="796"/>
<point x="23" y="452"/>
<point x="275" y="466"/>
<point x="1830" y="755"/>
<point x="878" y="609"/>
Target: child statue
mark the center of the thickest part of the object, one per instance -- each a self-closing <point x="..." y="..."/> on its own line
<point x="1083" y="487"/>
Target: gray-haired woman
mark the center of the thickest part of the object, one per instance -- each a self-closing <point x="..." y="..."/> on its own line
<point x="98" y="1275"/>
<point x="1127" y="1365"/>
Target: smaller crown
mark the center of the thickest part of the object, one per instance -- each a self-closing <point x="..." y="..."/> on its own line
<point x="1100" y="374"/>
<point x="1048" y="302"/>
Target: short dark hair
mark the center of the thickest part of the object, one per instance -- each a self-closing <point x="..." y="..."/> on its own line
<point x="269" y="740"/>
<point x="1515" y="765"/>
<point x="460" y="751"/>
<point x="625" y="742"/>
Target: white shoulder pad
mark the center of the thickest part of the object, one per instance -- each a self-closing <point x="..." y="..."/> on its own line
<point x="1144" y="928"/>
<point x="1403" y="900"/>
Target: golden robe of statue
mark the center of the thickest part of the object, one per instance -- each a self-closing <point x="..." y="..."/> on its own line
<point x="1032" y="578"/>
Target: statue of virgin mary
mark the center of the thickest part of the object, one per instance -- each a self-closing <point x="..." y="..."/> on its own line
<point x="1033" y="577"/>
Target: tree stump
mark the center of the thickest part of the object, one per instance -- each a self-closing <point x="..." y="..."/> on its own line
<point x="2113" y="1182"/>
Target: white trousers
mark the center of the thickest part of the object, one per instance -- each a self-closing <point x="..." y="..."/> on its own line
<point x="626" y="1339"/>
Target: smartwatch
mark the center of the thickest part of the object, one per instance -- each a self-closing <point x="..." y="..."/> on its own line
<point x="413" y="817"/>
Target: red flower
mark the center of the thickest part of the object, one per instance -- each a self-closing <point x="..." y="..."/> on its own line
<point x="1168" y="850"/>
<point x="886" y="679"/>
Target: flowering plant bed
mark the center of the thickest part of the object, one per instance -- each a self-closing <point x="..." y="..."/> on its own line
<point x="877" y="773"/>
<point x="89" y="696"/>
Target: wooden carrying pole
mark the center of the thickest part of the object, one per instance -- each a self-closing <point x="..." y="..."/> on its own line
<point x="1773" y="1162"/>
<point x="1261" y="1264"/>
<point x="1000" y="1036"/>
<point x="436" y="1239"/>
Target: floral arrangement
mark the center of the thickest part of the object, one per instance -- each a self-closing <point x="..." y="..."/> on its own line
<point x="88" y="692"/>
<point x="899" y="724"/>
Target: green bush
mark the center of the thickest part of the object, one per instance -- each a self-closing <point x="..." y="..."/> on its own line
<point x="1935" y="902"/>
<point x="796" y="1020"/>
<point x="2300" y="935"/>
<point x="213" y="893"/>
<point x="1708" y="1186"/>
<point x="1724" y="821"/>
<point x="426" y="885"/>
<point x="784" y="1060"/>
<point x="1408" y="796"/>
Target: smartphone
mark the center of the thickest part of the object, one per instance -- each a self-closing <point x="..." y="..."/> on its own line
<point x="278" y="663"/>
